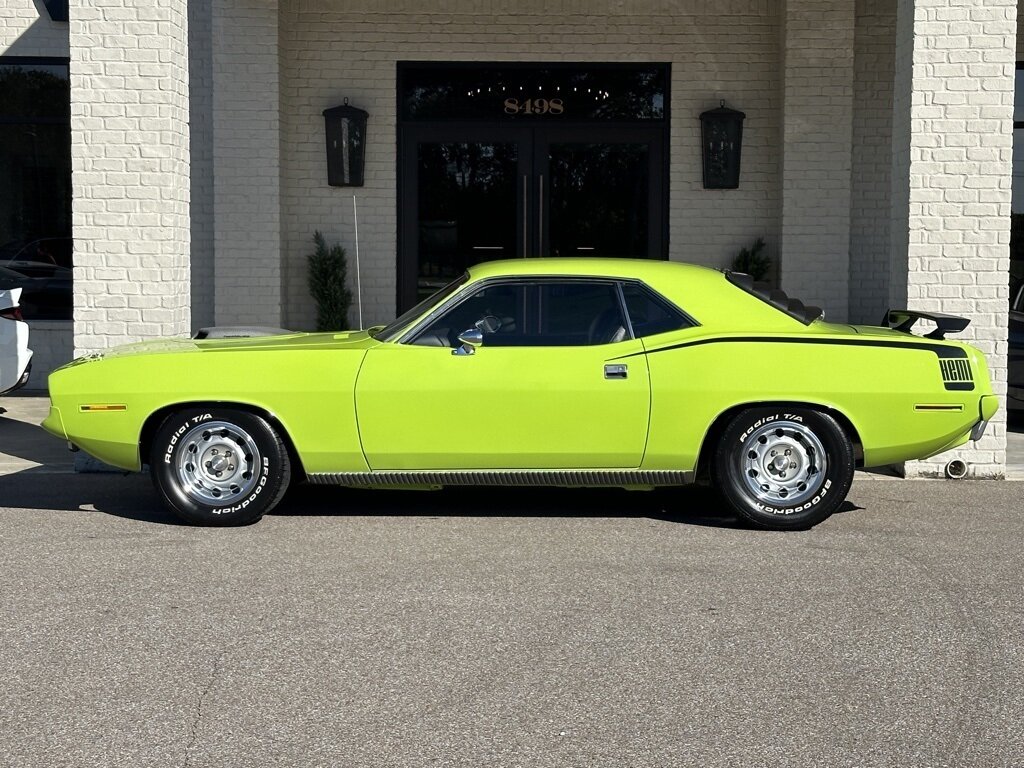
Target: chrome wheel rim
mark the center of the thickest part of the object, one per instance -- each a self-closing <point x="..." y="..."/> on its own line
<point x="216" y="463"/>
<point x="783" y="463"/>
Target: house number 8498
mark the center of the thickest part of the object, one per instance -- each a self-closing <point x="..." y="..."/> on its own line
<point x="534" y="107"/>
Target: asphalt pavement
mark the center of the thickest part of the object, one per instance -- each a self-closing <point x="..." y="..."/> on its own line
<point x="480" y="627"/>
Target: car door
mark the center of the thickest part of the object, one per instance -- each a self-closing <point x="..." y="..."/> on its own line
<point x="551" y="385"/>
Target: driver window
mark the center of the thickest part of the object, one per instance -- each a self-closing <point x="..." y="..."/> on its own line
<point x="496" y="310"/>
<point x="580" y="314"/>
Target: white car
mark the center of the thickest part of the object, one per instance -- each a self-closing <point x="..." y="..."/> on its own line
<point x="15" y="356"/>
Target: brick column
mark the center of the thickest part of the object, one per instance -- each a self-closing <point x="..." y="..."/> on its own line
<point x="952" y="147"/>
<point x="246" y="163"/>
<point x="200" y="90"/>
<point x="130" y="170"/>
<point x="817" y="120"/>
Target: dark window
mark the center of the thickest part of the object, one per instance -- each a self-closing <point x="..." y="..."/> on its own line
<point x="464" y="212"/>
<point x="390" y="331"/>
<point x="531" y="92"/>
<point x="499" y="311"/>
<point x="579" y="314"/>
<point x="35" y="185"/>
<point x="1017" y="200"/>
<point x="649" y="313"/>
<point x="533" y="314"/>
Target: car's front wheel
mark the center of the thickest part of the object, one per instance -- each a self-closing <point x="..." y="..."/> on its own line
<point x="784" y="468"/>
<point x="219" y="466"/>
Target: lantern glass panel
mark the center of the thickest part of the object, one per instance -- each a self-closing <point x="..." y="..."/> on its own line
<point x="346" y="146"/>
<point x="721" y="140"/>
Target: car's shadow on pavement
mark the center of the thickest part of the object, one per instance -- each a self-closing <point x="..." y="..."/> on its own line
<point x="692" y="505"/>
<point x="133" y="497"/>
<point x="25" y="442"/>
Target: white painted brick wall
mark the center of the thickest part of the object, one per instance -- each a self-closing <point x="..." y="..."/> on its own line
<point x="331" y="49"/>
<point x="246" y="162"/>
<point x="200" y="88"/>
<point x="870" y="182"/>
<point x="27" y="30"/>
<point x="818" y="40"/>
<point x="52" y="343"/>
<point x="954" y="92"/>
<point x="129" y="154"/>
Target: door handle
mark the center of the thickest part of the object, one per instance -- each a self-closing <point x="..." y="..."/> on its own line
<point x="526" y="236"/>
<point x="540" y="217"/>
<point x="616" y="371"/>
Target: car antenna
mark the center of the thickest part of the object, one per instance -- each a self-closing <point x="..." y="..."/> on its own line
<point x="359" y="284"/>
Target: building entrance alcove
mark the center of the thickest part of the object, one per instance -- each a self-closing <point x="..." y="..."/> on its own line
<point x="514" y="160"/>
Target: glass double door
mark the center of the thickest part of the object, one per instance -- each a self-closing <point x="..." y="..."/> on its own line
<point x="472" y="194"/>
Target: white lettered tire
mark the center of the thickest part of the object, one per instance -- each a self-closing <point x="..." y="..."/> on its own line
<point x="219" y="466"/>
<point x="784" y="468"/>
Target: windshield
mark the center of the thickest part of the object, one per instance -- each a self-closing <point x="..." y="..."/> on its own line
<point x="389" y="331"/>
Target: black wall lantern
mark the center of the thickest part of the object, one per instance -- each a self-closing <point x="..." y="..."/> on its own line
<point x="346" y="145"/>
<point x="721" y="133"/>
<point x="58" y="9"/>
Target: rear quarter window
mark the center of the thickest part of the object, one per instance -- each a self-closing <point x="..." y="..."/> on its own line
<point x="650" y="314"/>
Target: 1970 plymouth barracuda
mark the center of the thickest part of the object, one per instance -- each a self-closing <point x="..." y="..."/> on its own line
<point x="598" y="372"/>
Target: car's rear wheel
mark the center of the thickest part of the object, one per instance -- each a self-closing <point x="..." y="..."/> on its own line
<point x="784" y="468"/>
<point x="219" y="466"/>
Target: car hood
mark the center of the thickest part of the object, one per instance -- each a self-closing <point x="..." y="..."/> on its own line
<point x="285" y="342"/>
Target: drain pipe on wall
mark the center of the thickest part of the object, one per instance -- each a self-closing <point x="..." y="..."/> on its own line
<point x="359" y="282"/>
<point x="956" y="469"/>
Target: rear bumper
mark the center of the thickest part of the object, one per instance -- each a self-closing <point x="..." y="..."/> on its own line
<point x="987" y="408"/>
<point x="21" y="382"/>
<point x="24" y="378"/>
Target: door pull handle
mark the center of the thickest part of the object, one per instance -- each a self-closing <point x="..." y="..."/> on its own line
<point x="526" y="235"/>
<point x="616" y="371"/>
<point x="540" y="216"/>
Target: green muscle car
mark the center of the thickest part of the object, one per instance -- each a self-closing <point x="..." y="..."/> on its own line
<point x="596" y="372"/>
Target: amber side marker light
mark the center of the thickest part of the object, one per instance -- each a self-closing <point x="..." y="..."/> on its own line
<point x="102" y="407"/>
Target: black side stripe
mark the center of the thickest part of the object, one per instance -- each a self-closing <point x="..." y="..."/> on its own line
<point x="939" y="350"/>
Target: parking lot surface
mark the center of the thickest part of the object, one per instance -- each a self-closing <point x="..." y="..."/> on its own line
<point x="509" y="628"/>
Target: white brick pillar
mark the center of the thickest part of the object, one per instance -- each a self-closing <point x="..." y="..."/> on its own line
<point x="246" y="163"/>
<point x="817" y="126"/>
<point x="952" y="147"/>
<point x="130" y="170"/>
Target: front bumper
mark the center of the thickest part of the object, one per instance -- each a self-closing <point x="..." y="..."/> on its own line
<point x="54" y="424"/>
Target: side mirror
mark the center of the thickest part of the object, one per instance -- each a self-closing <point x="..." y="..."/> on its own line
<point x="471" y="338"/>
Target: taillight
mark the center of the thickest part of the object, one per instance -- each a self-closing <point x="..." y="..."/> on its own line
<point x="13" y="313"/>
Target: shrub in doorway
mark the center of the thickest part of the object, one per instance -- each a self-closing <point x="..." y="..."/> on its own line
<point x="752" y="262"/>
<point x="328" y="268"/>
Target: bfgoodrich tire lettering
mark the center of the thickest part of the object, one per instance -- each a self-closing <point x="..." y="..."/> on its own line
<point x="219" y="466"/>
<point x="784" y="468"/>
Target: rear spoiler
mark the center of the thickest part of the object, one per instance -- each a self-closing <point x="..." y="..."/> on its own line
<point x="904" y="319"/>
